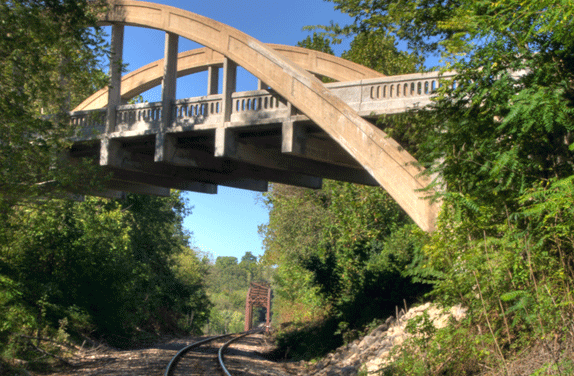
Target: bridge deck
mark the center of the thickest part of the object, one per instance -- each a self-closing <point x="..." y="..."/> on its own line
<point x="369" y="98"/>
<point x="274" y="142"/>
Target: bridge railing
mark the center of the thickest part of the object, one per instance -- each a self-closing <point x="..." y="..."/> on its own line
<point x="198" y="110"/>
<point x="89" y="123"/>
<point x="367" y="97"/>
<point x="389" y="94"/>
<point x="257" y="106"/>
<point x="141" y="116"/>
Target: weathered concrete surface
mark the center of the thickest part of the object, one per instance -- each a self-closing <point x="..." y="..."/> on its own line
<point x="382" y="157"/>
<point x="201" y="59"/>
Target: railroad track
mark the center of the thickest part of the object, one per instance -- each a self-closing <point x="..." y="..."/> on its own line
<point x="205" y="357"/>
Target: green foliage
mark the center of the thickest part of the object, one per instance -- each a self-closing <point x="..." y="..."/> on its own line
<point x="499" y="135"/>
<point x="49" y="251"/>
<point x="192" y="269"/>
<point x="379" y="52"/>
<point x="294" y="341"/>
<point x="419" y="24"/>
<point x="346" y="254"/>
<point x="317" y="43"/>
<point x="343" y="253"/>
<point x="453" y="350"/>
<point x="118" y="270"/>
<point x="227" y="286"/>
<point x="49" y="61"/>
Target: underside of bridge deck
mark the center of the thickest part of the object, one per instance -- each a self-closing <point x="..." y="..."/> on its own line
<point x="294" y="153"/>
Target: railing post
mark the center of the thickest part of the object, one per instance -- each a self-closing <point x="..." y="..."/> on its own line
<point x="165" y="144"/>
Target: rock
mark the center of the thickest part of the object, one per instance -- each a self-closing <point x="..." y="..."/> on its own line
<point x="367" y="341"/>
<point x="380" y="329"/>
<point x="373" y="352"/>
<point x="322" y="364"/>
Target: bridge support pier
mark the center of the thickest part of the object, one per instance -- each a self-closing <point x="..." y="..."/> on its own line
<point x="292" y="138"/>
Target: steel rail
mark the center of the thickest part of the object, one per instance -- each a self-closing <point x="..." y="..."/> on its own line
<point x="226" y="345"/>
<point x="171" y="366"/>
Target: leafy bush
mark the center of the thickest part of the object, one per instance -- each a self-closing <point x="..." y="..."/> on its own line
<point x="110" y="269"/>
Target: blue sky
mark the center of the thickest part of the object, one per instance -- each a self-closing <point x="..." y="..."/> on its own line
<point x="226" y="224"/>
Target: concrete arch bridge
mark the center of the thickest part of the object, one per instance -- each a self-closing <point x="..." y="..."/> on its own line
<point x="293" y="129"/>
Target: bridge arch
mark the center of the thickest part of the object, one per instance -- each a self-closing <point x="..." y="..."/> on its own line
<point x="200" y="59"/>
<point x="392" y="167"/>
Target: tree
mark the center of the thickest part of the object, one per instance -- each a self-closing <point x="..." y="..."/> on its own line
<point x="499" y="135"/>
<point x="340" y="255"/>
<point x="372" y="49"/>
<point x="49" y="60"/>
<point x="420" y="24"/>
<point x="335" y="254"/>
<point x="192" y="269"/>
<point x="227" y="288"/>
<point x="318" y="43"/>
<point x="248" y="258"/>
<point x="496" y="140"/>
<point x="111" y="269"/>
<point x="379" y="52"/>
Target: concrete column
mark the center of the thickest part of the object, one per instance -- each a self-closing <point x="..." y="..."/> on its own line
<point x="224" y="137"/>
<point x="229" y="87"/>
<point x="168" y="87"/>
<point x="293" y="138"/>
<point x="164" y="143"/>
<point x="114" y="92"/>
<point x="212" y="80"/>
<point x="261" y="85"/>
<point x="109" y="149"/>
<point x="225" y="142"/>
<point x="291" y="109"/>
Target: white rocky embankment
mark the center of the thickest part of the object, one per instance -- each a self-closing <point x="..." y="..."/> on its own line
<point x="372" y="352"/>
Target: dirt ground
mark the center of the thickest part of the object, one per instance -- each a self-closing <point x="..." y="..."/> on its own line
<point x="245" y="357"/>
